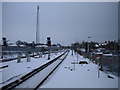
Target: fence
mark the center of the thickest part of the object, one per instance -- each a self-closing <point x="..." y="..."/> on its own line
<point x="109" y="64"/>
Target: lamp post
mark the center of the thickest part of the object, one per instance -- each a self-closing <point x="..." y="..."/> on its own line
<point x="88" y="43"/>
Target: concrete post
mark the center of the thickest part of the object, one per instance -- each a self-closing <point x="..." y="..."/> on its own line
<point x="44" y="55"/>
<point x="49" y="55"/>
<point x="28" y="56"/>
<point x="101" y="67"/>
<point x="40" y="54"/>
<point x="72" y="51"/>
<point x="48" y="52"/>
<point x="19" y="58"/>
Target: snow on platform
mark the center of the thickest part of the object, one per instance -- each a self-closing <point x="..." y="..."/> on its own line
<point x="16" y="70"/>
<point x="84" y="76"/>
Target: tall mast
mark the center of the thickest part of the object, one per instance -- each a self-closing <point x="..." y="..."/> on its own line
<point x="37" y="26"/>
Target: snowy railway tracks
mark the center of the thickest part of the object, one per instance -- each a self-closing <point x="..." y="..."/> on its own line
<point x="36" y="77"/>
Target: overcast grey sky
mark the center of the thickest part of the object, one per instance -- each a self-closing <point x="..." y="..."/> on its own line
<point x="63" y="22"/>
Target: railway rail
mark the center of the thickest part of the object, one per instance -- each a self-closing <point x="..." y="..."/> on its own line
<point x="43" y="72"/>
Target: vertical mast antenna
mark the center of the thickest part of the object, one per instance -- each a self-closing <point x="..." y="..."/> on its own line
<point x="37" y="26"/>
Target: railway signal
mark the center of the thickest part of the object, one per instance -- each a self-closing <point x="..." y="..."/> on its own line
<point x="48" y="41"/>
<point x="4" y="41"/>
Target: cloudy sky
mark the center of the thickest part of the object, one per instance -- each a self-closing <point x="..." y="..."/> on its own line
<point x="64" y="22"/>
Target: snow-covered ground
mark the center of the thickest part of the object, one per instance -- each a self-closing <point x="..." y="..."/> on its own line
<point x="16" y="70"/>
<point x="84" y="75"/>
<point x="10" y="56"/>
